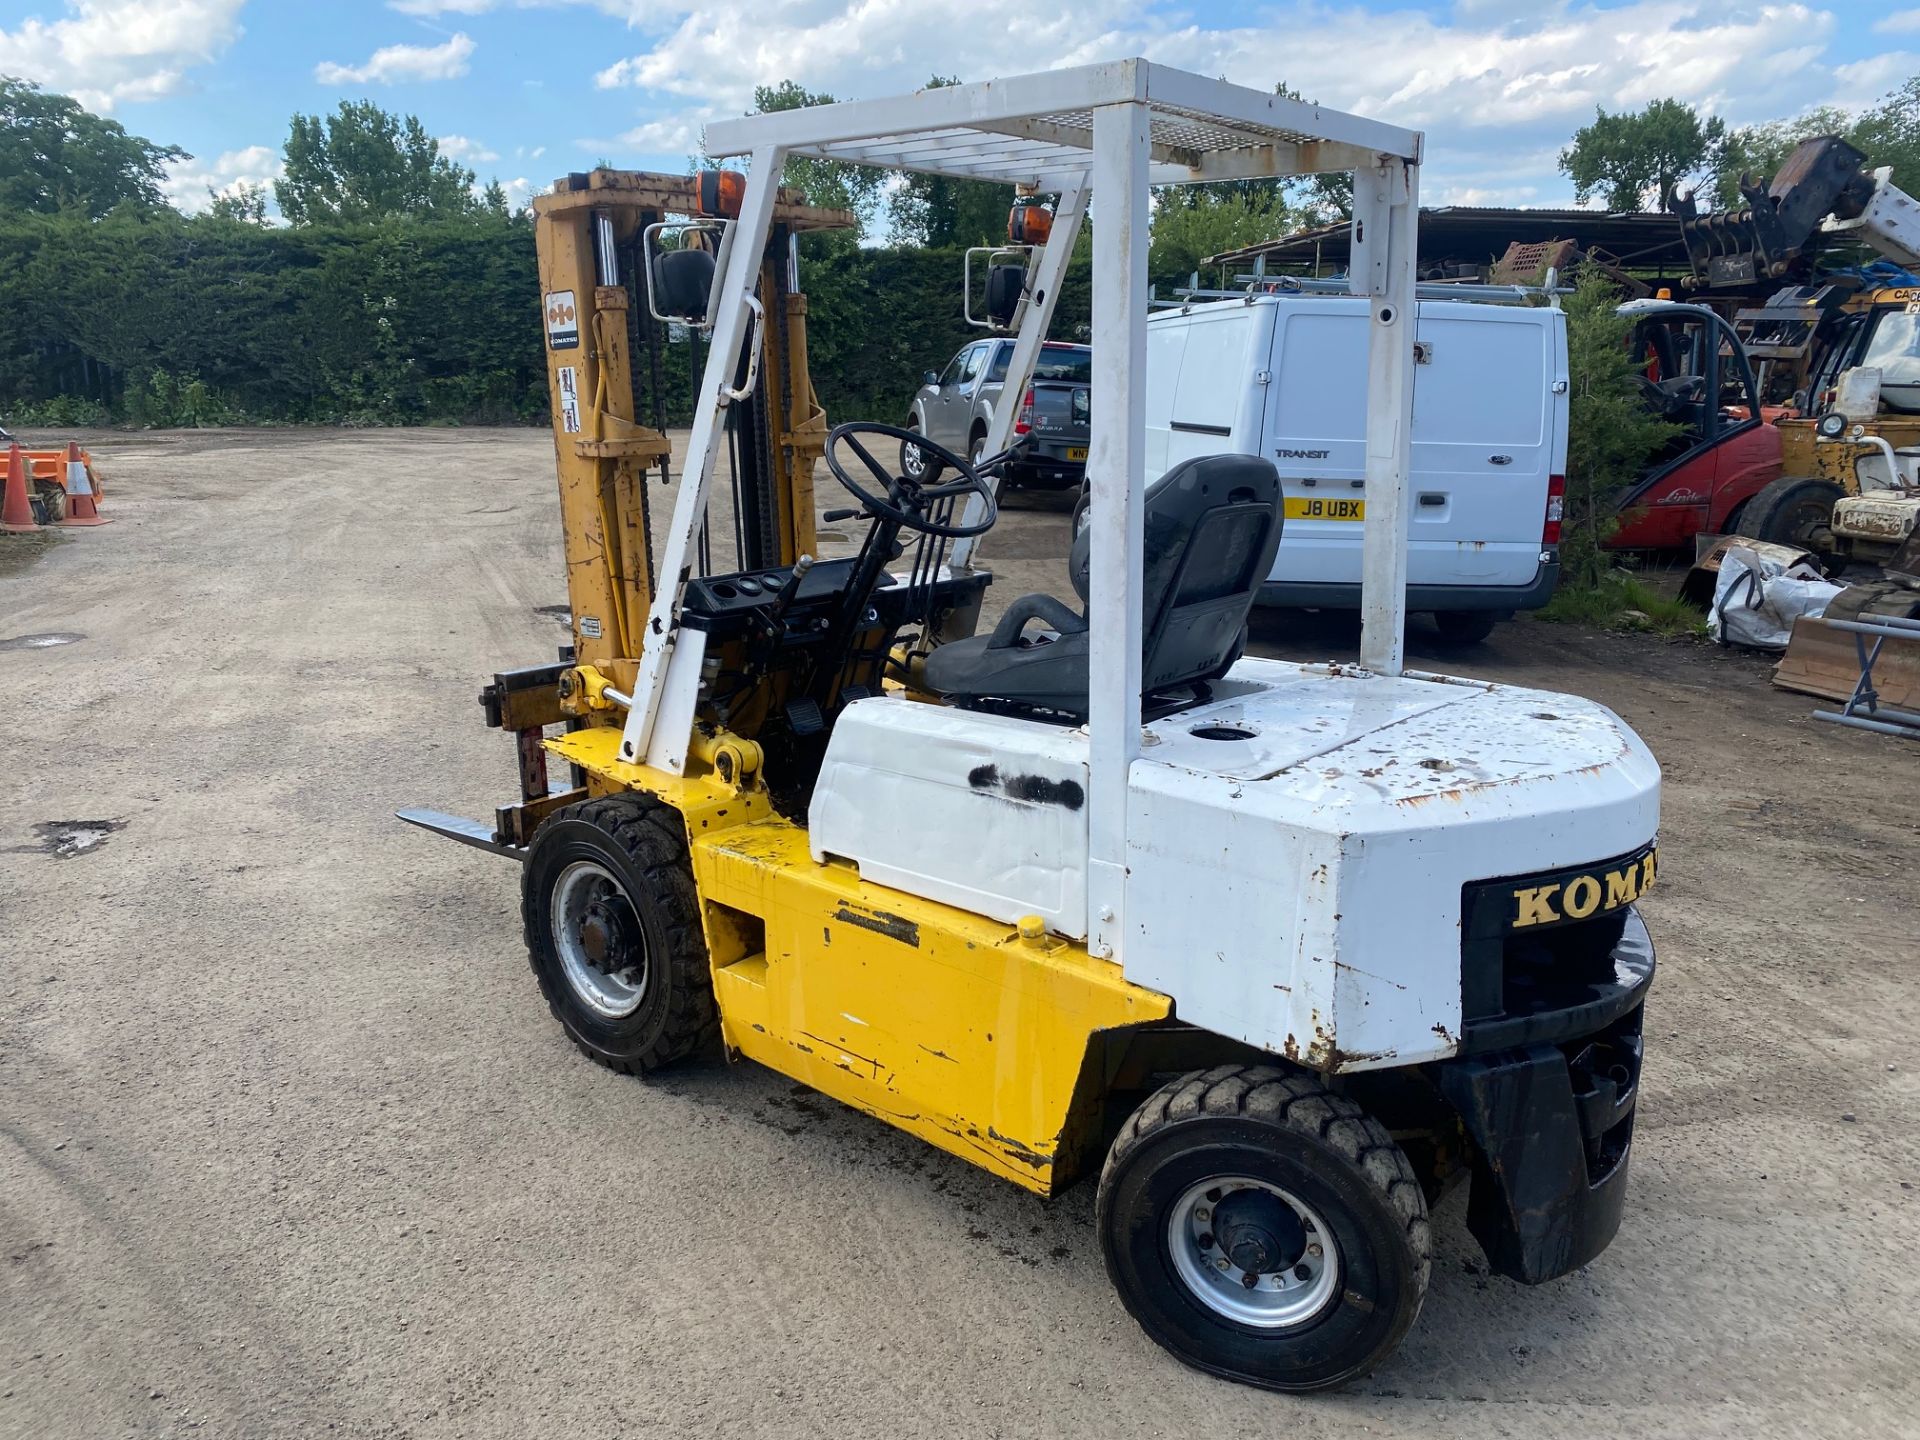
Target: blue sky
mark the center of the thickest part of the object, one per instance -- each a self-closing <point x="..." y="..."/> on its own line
<point x="524" y="90"/>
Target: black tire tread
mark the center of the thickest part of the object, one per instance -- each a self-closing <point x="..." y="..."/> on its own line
<point x="654" y="837"/>
<point x="1760" y="513"/>
<point x="1298" y="1102"/>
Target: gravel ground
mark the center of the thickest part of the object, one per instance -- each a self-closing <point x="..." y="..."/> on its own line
<point x="290" y="1146"/>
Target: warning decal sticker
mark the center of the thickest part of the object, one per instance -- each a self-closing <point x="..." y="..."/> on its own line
<point x="563" y="320"/>
<point x="569" y="400"/>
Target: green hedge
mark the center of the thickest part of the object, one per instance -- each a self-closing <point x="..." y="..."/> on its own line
<point x="162" y="320"/>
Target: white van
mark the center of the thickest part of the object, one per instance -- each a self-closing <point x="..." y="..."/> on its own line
<point x="1285" y="376"/>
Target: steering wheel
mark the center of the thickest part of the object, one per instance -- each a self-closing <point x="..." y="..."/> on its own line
<point x="1671" y="399"/>
<point x="907" y="501"/>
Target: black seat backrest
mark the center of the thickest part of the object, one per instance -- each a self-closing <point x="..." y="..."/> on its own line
<point x="1211" y="529"/>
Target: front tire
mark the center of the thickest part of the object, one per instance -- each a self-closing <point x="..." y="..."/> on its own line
<point x="612" y="921"/>
<point x="1796" y="511"/>
<point x="915" y="463"/>
<point x="1246" y="1173"/>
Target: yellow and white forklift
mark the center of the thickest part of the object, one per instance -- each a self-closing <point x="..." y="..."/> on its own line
<point x="1274" y="950"/>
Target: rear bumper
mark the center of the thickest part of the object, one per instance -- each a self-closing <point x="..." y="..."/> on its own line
<point x="1549" y="1105"/>
<point x="1505" y="599"/>
<point x="1045" y="462"/>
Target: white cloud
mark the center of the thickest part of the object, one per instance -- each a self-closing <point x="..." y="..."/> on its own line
<point x="106" y="52"/>
<point x="394" y="63"/>
<point x="467" y="152"/>
<point x="1900" y="22"/>
<point x="679" y="135"/>
<point x="189" y="181"/>
<point x="1519" y="75"/>
<point x="1859" y="84"/>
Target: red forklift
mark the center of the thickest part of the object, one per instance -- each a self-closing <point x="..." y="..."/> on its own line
<point x="1695" y="373"/>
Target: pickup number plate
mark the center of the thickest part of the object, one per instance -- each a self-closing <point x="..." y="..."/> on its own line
<point x="1076" y="452"/>
<point x="1301" y="507"/>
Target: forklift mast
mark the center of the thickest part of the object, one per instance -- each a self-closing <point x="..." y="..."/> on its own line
<point x="606" y="344"/>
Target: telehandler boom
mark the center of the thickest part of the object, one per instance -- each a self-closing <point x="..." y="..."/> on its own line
<point x="1275" y="950"/>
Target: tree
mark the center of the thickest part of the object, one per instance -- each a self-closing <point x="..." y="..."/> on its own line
<point x="56" y="156"/>
<point x="1634" y="159"/>
<point x="246" y="202"/>
<point x="1759" y="150"/>
<point x="1611" y="434"/>
<point x="938" y="210"/>
<point x="364" y="163"/>
<point x="1889" y="133"/>
<point x="833" y="183"/>
<point x="1182" y="236"/>
<point x="493" y="201"/>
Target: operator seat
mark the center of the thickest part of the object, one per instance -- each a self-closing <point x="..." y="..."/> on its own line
<point x="1212" y="525"/>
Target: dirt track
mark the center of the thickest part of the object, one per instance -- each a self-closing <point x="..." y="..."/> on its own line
<point x="290" y="1146"/>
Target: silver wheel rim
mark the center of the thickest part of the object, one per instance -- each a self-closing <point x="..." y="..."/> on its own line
<point x="614" y="994"/>
<point x="1277" y="1300"/>
<point x="912" y="460"/>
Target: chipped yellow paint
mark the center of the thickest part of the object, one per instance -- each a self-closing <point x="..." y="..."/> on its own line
<point x="946" y="1024"/>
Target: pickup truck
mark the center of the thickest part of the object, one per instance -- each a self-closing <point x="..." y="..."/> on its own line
<point x="955" y="407"/>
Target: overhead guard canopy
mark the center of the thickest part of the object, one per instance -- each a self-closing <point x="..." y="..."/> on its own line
<point x="1037" y="130"/>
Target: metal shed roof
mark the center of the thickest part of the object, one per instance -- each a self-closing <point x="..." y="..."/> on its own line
<point x="1482" y="233"/>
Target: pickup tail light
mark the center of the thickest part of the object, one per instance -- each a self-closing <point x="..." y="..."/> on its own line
<point x="1023" y="422"/>
<point x="1556" y="509"/>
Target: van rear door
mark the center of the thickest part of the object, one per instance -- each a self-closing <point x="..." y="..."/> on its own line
<point x="1203" y="397"/>
<point x="1483" y="440"/>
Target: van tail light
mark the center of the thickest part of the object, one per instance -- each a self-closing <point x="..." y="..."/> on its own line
<point x="1556" y="508"/>
<point x="1023" y="422"/>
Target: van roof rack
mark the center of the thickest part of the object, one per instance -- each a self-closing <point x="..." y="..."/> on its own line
<point x="1254" y="286"/>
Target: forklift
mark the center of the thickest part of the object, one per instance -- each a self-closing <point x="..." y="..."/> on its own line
<point x="1279" y="952"/>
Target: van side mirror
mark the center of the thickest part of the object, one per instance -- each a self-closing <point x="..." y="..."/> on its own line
<point x="929" y="377"/>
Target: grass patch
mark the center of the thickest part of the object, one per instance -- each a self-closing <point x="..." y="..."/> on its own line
<point x="1624" y="602"/>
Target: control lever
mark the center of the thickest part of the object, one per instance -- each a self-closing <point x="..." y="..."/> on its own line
<point x="834" y="517"/>
<point x="788" y="591"/>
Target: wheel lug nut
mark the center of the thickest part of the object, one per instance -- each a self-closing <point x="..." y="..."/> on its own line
<point x="1203" y="1213"/>
<point x="1301" y="1272"/>
<point x="1221" y="1263"/>
<point x="1314" y="1250"/>
<point x="1249" y="1280"/>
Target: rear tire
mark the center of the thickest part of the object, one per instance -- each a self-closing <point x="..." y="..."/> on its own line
<point x="612" y="920"/>
<point x="1465" y="627"/>
<point x="1331" y="1225"/>
<point x="1793" y="510"/>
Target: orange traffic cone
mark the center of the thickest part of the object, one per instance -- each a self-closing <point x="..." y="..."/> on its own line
<point x="81" y="509"/>
<point x="16" y="513"/>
